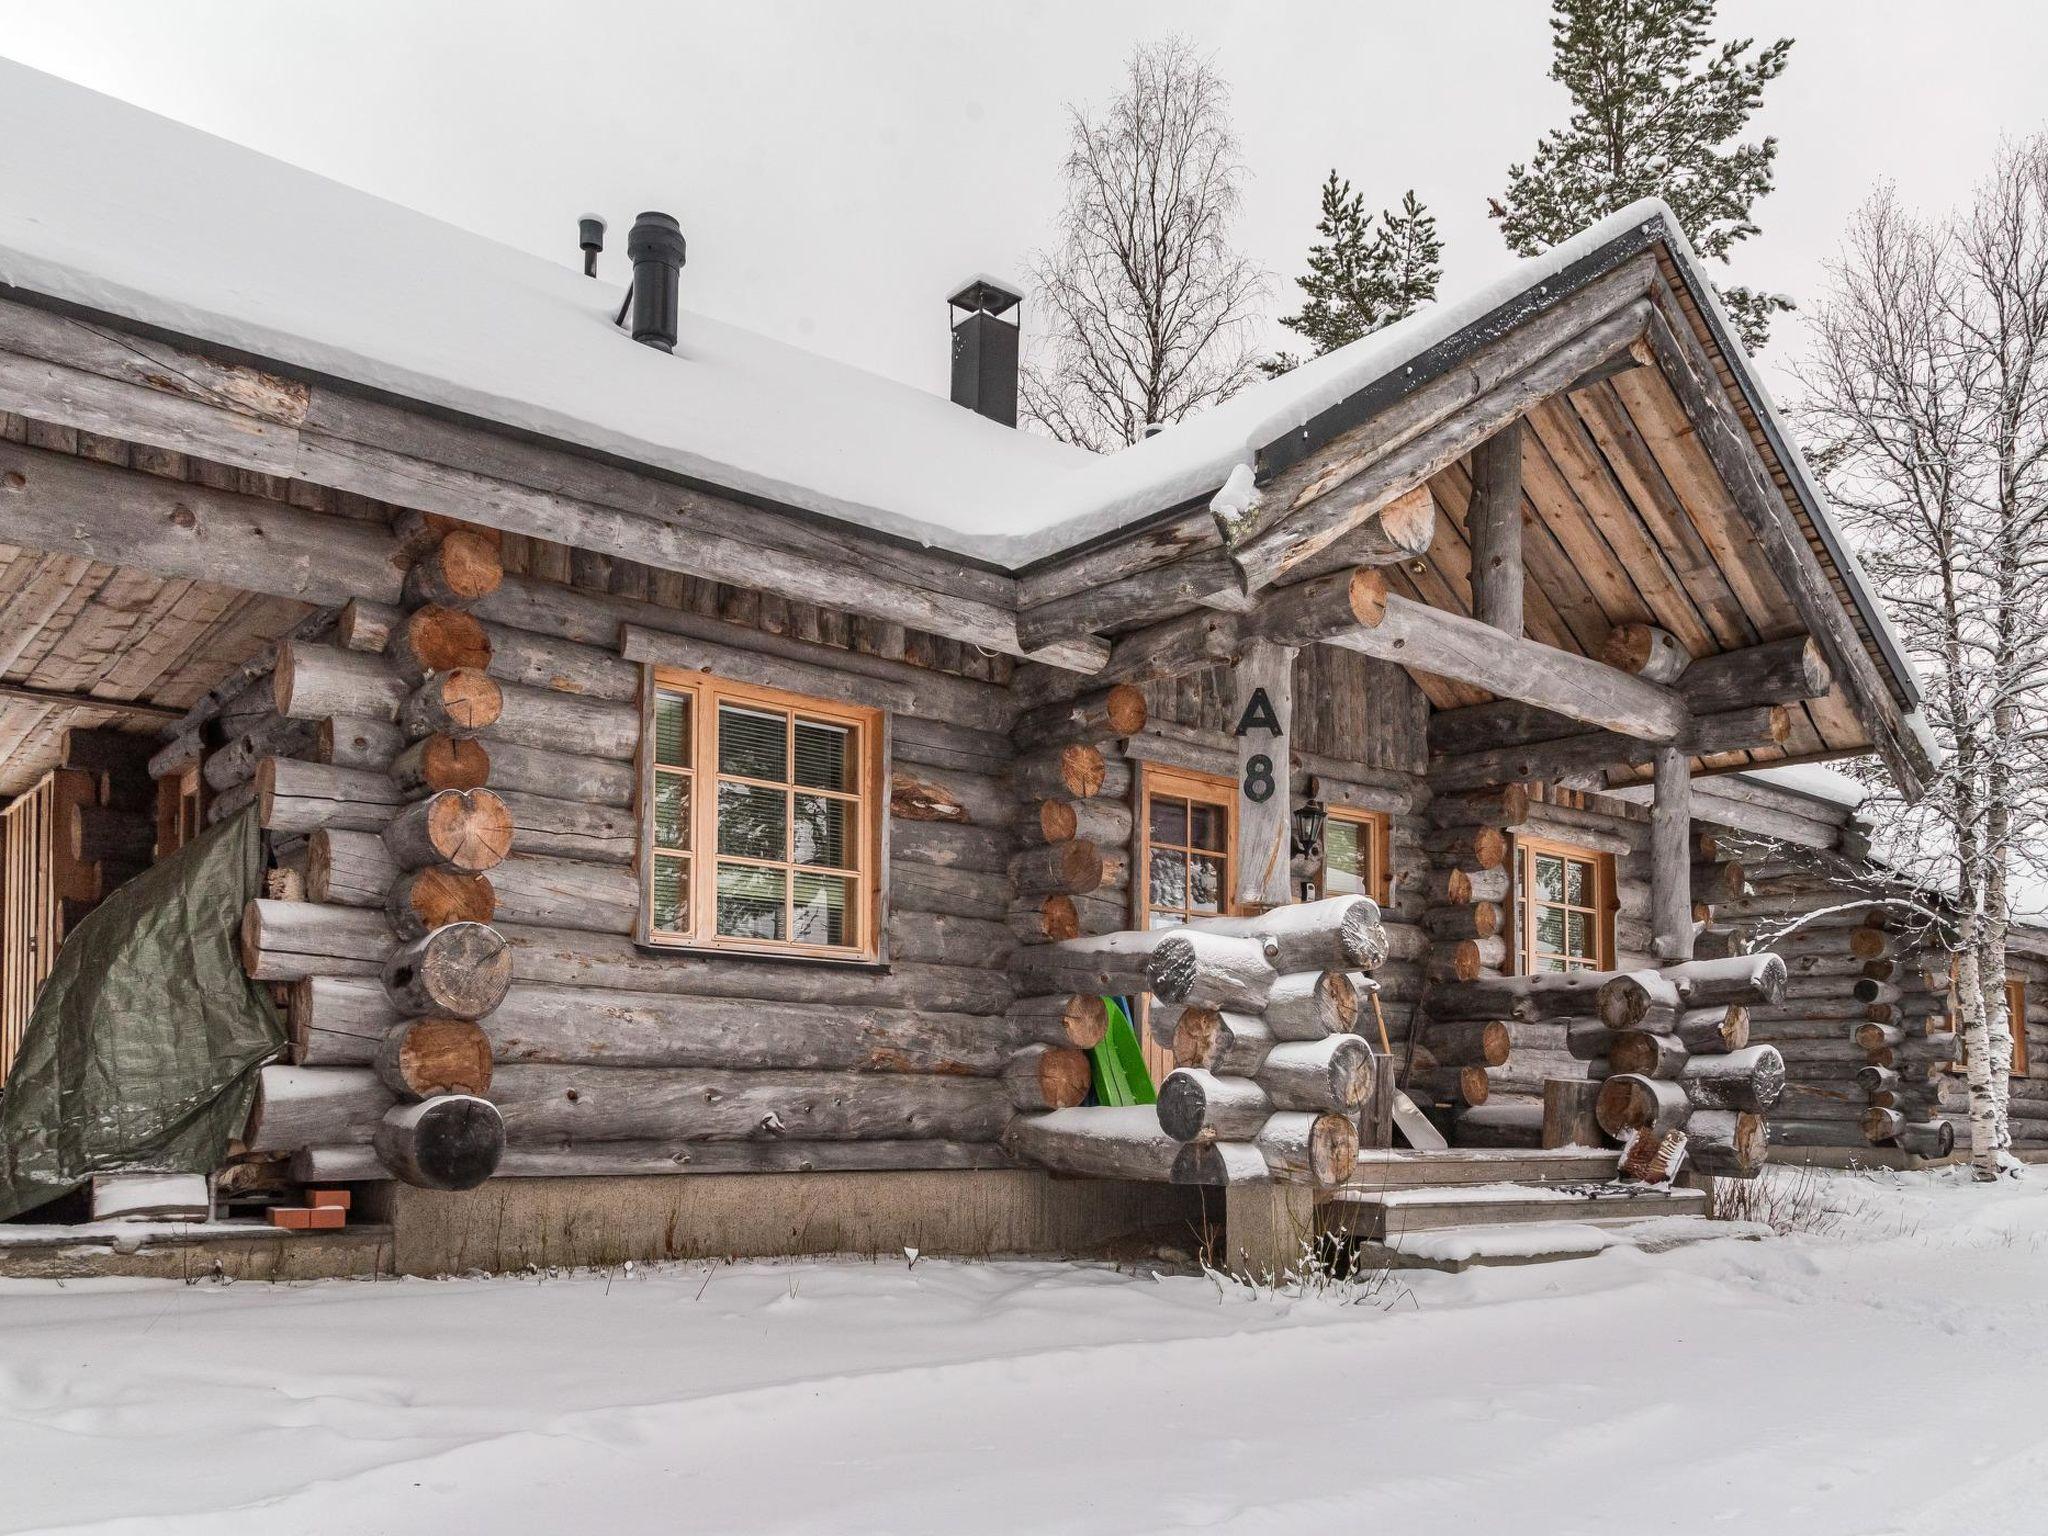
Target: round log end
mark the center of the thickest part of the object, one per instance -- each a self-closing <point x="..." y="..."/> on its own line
<point x="1332" y="1150"/>
<point x="1339" y="1001"/>
<point x="1620" y="1002"/>
<point x="1086" y="1021"/>
<point x="1735" y="1028"/>
<point x="462" y="971"/>
<point x="1495" y="1043"/>
<point x="1473" y="1087"/>
<point x="468" y="566"/>
<point x="1489" y="847"/>
<point x="426" y="899"/>
<point x="453" y="762"/>
<point x="1125" y="707"/>
<point x="469" y="700"/>
<point x="1057" y="820"/>
<point x="469" y="829"/>
<point x="439" y="639"/>
<point x="451" y="1142"/>
<point x="421" y="1058"/>
<point x="1410" y="522"/>
<point x="1367" y="595"/>
<point x="1868" y="943"/>
<point x="1457" y="888"/>
<point x="1082" y="769"/>
<point x="1195" y="1037"/>
<point x="1064" y="1077"/>
<point x="1183" y="1104"/>
<point x="1350" y="1071"/>
<point x="1624" y="1104"/>
<point x="1059" y="918"/>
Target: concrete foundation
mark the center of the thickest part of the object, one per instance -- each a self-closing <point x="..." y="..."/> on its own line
<point x="508" y="1224"/>
<point x="1267" y="1228"/>
<point x="211" y="1251"/>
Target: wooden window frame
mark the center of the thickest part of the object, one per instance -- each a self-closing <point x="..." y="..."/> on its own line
<point x="1378" y="873"/>
<point x="707" y="693"/>
<point x="1521" y="895"/>
<point x="1180" y="783"/>
<point x="1952" y="1022"/>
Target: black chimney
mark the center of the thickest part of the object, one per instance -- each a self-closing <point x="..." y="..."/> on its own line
<point x="985" y="351"/>
<point x="656" y="249"/>
<point x="590" y="236"/>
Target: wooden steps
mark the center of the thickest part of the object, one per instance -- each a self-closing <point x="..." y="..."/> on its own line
<point x="1380" y="1170"/>
<point x="1390" y="1214"/>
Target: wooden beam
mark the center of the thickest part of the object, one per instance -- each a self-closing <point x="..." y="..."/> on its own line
<point x="140" y="708"/>
<point x="122" y="517"/>
<point x="1780" y="540"/>
<point x="1786" y="671"/>
<point x="1489" y="368"/>
<point x="1570" y="756"/>
<point x="100" y="379"/>
<point x="1671" y="857"/>
<point x="1266" y="556"/>
<point x="1493" y="522"/>
<point x="1264" y="681"/>
<point x="1466" y="651"/>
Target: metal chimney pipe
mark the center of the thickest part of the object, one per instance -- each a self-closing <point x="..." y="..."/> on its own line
<point x="657" y="250"/>
<point x="590" y="238"/>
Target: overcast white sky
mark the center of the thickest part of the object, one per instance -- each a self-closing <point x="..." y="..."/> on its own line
<point x="837" y="166"/>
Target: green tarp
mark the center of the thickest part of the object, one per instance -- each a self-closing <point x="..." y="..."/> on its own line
<point x="143" y="1048"/>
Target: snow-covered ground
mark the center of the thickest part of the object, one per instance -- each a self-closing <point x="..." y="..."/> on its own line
<point x="1882" y="1376"/>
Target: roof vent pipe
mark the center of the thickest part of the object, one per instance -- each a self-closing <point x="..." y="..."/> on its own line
<point x="590" y="236"/>
<point x="657" y="249"/>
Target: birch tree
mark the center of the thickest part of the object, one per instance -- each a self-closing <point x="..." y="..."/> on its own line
<point x="1149" y="307"/>
<point x="1927" y="400"/>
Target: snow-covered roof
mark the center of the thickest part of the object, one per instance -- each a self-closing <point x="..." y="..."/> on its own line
<point x="1814" y="781"/>
<point x="114" y="209"/>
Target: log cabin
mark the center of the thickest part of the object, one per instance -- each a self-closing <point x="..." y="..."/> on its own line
<point x="717" y="801"/>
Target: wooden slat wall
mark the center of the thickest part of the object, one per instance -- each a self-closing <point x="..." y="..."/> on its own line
<point x="30" y="915"/>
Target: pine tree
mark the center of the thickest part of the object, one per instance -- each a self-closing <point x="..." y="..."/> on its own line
<point x="1654" y="103"/>
<point x="1411" y="256"/>
<point x="1360" y="277"/>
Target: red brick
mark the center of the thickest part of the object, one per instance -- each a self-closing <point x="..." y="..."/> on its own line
<point x="321" y="1199"/>
<point x="294" y="1217"/>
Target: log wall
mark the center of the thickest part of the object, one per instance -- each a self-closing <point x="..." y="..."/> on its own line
<point x="347" y="745"/>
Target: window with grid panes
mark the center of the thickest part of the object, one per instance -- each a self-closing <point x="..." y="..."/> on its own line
<point x="1187" y="847"/>
<point x="1355" y="854"/>
<point x="761" y="829"/>
<point x="1562" y="922"/>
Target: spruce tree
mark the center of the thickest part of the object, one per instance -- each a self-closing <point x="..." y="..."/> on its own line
<point x="1655" y="108"/>
<point x="1361" y="277"/>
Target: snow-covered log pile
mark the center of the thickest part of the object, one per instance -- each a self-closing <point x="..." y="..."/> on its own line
<point x="1666" y="1058"/>
<point x="1655" y="1050"/>
<point x="1861" y="1026"/>
<point x="1270" y="1080"/>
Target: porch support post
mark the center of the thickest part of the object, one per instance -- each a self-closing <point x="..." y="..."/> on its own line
<point x="1494" y="523"/>
<point x="1267" y="1227"/>
<point x="1265" y="711"/>
<point x="1671" y="855"/>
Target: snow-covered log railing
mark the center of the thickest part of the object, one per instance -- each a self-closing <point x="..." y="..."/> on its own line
<point x="1270" y="1081"/>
